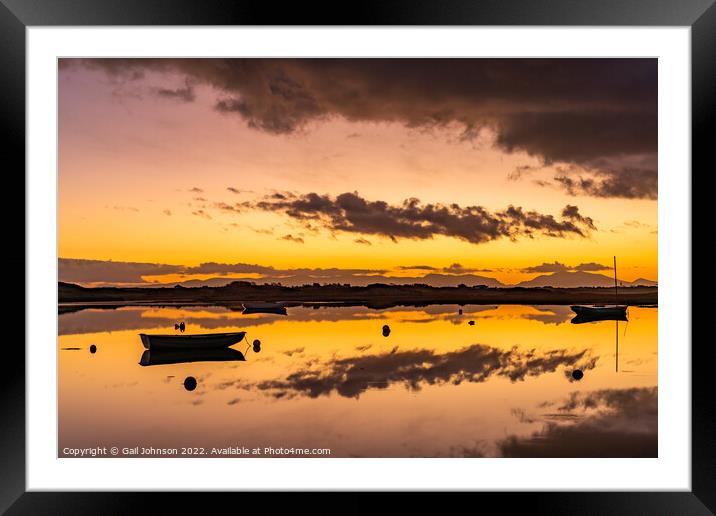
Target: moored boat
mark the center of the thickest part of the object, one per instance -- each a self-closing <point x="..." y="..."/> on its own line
<point x="205" y="341"/>
<point x="602" y="312"/>
<point x="594" y="311"/>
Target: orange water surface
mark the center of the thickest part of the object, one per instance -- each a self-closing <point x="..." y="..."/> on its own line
<point x="327" y="382"/>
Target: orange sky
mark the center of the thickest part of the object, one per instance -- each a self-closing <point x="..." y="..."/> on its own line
<point x="141" y="177"/>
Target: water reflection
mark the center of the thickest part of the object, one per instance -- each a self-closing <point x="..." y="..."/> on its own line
<point x="164" y="357"/>
<point x="605" y="423"/>
<point x="102" y="318"/>
<point x="318" y="377"/>
<point x="585" y="318"/>
<point x="352" y="376"/>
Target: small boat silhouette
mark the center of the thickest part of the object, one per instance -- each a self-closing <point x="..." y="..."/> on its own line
<point x="205" y="341"/>
<point x="602" y="313"/>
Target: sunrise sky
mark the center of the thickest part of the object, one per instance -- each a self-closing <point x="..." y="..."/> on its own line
<point x="269" y="169"/>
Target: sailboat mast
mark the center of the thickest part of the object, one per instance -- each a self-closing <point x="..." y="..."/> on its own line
<point x="616" y="288"/>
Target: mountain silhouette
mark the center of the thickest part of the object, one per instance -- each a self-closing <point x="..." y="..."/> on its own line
<point x="566" y="279"/>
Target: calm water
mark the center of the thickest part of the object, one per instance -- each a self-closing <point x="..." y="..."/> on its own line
<point x="328" y="378"/>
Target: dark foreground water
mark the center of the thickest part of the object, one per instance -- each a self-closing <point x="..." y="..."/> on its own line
<point x="327" y="382"/>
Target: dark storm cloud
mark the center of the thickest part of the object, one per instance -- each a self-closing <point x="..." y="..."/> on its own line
<point x="352" y="376"/>
<point x="573" y="111"/>
<point x="349" y="212"/>
<point x="607" y="423"/>
<point x="573" y="137"/>
<point x="87" y="271"/>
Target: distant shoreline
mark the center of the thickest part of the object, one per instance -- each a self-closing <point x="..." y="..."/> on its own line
<point x="372" y="296"/>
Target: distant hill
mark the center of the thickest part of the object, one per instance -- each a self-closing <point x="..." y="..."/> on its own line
<point x="435" y="280"/>
<point x="377" y="295"/>
<point x="575" y="279"/>
<point x="557" y="280"/>
<point x="641" y="282"/>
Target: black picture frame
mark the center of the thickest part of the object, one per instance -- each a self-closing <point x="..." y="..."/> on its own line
<point x="17" y="15"/>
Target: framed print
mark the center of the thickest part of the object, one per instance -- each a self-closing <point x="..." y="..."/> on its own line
<point x="447" y="250"/>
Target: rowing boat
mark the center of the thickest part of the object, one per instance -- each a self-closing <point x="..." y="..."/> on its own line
<point x="596" y="311"/>
<point x="205" y="341"/>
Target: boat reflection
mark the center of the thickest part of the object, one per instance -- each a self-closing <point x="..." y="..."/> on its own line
<point x="264" y="308"/>
<point x="164" y="357"/>
<point x="582" y="318"/>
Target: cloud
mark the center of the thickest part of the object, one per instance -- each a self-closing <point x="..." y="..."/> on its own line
<point x="590" y="267"/>
<point x="184" y="94"/>
<point x="226" y="268"/>
<point x="582" y="112"/>
<point x="237" y="190"/>
<point x="547" y="267"/>
<point x="350" y="377"/>
<point x="628" y="183"/>
<point x="86" y="271"/>
<point x="607" y="423"/>
<point x="362" y="241"/>
<point x="167" y="212"/>
<point x="196" y="190"/>
<point x="456" y="268"/>
<point x="561" y="267"/>
<point x="417" y="268"/>
<point x="102" y="273"/>
<point x="227" y="207"/>
<point x="292" y="238"/>
<point x="202" y="214"/>
<point x="349" y="212"/>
